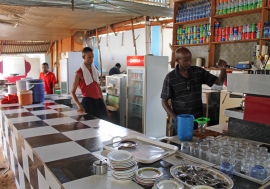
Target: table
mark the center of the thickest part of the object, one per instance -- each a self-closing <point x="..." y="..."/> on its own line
<point x="51" y="146"/>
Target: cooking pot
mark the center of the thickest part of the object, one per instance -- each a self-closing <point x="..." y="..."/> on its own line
<point x="100" y="167"/>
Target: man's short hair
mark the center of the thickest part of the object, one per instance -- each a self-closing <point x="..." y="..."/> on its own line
<point x="45" y="64"/>
<point x="118" y="65"/>
<point x="87" y="49"/>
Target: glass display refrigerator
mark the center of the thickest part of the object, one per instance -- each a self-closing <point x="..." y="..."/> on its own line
<point x="145" y="76"/>
<point x="116" y="96"/>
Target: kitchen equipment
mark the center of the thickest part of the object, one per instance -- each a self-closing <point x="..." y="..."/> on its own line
<point x="25" y="97"/>
<point x="199" y="62"/>
<point x="38" y="90"/>
<point x="146" y="151"/>
<point x="202" y="123"/>
<point x="70" y="62"/>
<point x="184" y="125"/>
<point x="100" y="167"/>
<point x="12" y="89"/>
<point x="168" y="183"/>
<point x="145" y="77"/>
<point x="21" y="85"/>
<point x="116" y="96"/>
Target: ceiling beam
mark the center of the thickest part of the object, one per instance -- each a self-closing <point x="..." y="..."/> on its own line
<point x="27" y="44"/>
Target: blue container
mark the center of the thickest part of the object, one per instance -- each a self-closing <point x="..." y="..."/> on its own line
<point x="38" y="90"/>
<point x="184" y="125"/>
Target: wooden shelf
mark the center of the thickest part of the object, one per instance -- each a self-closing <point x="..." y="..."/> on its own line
<point x="181" y="1"/>
<point x="266" y="39"/>
<point x="188" y="45"/>
<point x="240" y="41"/>
<point x="192" y="21"/>
<point x="267" y="8"/>
<point x="238" y="13"/>
<point x="228" y="69"/>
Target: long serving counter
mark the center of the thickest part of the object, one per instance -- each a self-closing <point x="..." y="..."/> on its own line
<point x="51" y="146"/>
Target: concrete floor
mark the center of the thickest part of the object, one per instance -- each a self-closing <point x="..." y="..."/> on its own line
<point x="7" y="180"/>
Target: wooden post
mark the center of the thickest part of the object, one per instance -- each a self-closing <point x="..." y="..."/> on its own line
<point x="133" y="35"/>
<point x="100" y="60"/>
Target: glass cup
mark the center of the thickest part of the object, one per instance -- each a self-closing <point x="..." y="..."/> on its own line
<point x="225" y="157"/>
<point x="250" y="156"/>
<point x="260" y="159"/>
<point x="204" y="144"/>
<point x="194" y="150"/>
<point x="233" y="142"/>
<point x="246" y="168"/>
<point x="222" y="142"/>
<point x="263" y="150"/>
<point x="214" y="156"/>
<point x="204" y="153"/>
<point x="211" y="140"/>
<point x="240" y="150"/>
<point x="243" y="143"/>
<point x="201" y="128"/>
<point x="238" y="162"/>
<point x="253" y="145"/>
<point x="226" y="168"/>
<point x="185" y="147"/>
<point x="258" y="172"/>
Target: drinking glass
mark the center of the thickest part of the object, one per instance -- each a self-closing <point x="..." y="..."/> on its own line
<point x="260" y="159"/>
<point x="214" y="156"/>
<point x="238" y="162"/>
<point x="263" y="151"/>
<point x="246" y="168"/>
<point x="258" y="172"/>
<point x="243" y="143"/>
<point x="253" y="145"/>
<point x="194" y="150"/>
<point x="233" y="142"/>
<point x="204" y="153"/>
<point x="222" y="142"/>
<point x="250" y="156"/>
<point x="211" y="140"/>
<point x="225" y="157"/>
<point x="204" y="144"/>
<point x="240" y="150"/>
<point x="226" y="168"/>
<point x="185" y="147"/>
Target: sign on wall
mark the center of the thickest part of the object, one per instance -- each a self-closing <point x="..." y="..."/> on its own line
<point x="135" y="60"/>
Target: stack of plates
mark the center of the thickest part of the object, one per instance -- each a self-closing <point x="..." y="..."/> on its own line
<point x="169" y="183"/>
<point x="147" y="176"/>
<point x="122" y="164"/>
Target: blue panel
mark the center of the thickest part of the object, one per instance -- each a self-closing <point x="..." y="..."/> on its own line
<point x="155" y="40"/>
<point x="96" y="58"/>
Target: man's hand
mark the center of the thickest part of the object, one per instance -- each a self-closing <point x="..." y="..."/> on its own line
<point x="80" y="109"/>
<point x="221" y="63"/>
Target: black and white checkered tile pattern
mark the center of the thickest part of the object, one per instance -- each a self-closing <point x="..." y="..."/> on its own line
<point x="51" y="146"/>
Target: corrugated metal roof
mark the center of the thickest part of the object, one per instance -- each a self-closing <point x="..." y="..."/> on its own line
<point x="19" y="47"/>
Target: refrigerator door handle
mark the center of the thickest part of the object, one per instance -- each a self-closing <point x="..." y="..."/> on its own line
<point x="126" y="92"/>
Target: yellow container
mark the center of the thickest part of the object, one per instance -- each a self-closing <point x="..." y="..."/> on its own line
<point x="25" y="97"/>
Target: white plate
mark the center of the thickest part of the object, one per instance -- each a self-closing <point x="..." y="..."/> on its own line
<point x="202" y="187"/>
<point x="148" y="173"/>
<point x="169" y="184"/>
<point x="119" y="155"/>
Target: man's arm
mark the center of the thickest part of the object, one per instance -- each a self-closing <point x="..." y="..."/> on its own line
<point x="222" y="76"/>
<point x="168" y="108"/>
<point x="73" y="93"/>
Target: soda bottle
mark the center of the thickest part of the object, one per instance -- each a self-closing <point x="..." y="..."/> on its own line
<point x="240" y="5"/>
<point x="245" y="7"/>
<point x="224" y="8"/>
<point x="236" y="6"/>
<point x="232" y="7"/>
<point x="220" y="9"/>
<point x="229" y="7"/>
<point x="249" y="6"/>
<point x="254" y="4"/>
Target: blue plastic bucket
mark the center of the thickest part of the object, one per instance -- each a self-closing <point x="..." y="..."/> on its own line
<point x="38" y="90"/>
<point x="184" y="125"/>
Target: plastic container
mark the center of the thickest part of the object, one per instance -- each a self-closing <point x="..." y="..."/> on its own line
<point x="184" y="125"/>
<point x="25" y="97"/>
<point x="21" y="85"/>
<point x="38" y="90"/>
<point x="12" y="89"/>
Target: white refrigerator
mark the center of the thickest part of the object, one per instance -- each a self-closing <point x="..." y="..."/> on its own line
<point x="145" y="76"/>
<point x="70" y="62"/>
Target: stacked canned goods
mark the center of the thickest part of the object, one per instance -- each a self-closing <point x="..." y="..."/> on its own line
<point x="193" y="34"/>
<point x="233" y="33"/>
<point x="231" y="6"/>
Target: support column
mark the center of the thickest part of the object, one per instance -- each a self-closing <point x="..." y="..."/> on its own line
<point x="147" y="35"/>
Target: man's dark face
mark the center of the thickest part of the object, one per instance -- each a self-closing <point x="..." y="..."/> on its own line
<point x="45" y="68"/>
<point x="184" y="60"/>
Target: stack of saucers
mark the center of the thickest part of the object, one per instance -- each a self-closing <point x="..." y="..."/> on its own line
<point x="122" y="164"/>
<point x="147" y="176"/>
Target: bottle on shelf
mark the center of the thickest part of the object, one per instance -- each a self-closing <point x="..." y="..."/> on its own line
<point x="266" y="30"/>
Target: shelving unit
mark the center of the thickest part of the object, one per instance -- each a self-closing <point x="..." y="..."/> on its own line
<point x="211" y="46"/>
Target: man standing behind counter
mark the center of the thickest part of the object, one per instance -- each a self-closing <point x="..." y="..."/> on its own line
<point x="183" y="85"/>
<point x="115" y="69"/>
<point x="48" y="78"/>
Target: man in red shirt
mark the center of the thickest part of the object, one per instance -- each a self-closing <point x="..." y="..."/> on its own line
<point x="48" y="78"/>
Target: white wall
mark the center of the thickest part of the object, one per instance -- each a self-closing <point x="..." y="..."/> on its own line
<point x="35" y="60"/>
<point x="115" y="53"/>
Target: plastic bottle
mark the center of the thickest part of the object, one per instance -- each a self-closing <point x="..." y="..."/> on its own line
<point x="266" y="30"/>
<point x="249" y="4"/>
<point x="240" y="5"/>
<point x="220" y="8"/>
<point x="245" y="7"/>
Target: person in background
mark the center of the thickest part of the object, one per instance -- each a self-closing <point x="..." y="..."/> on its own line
<point x="48" y="78"/>
<point x="86" y="78"/>
<point x="115" y="69"/>
<point x="183" y="85"/>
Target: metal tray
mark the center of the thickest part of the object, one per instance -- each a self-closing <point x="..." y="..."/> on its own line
<point x="147" y="150"/>
<point x="216" y="172"/>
